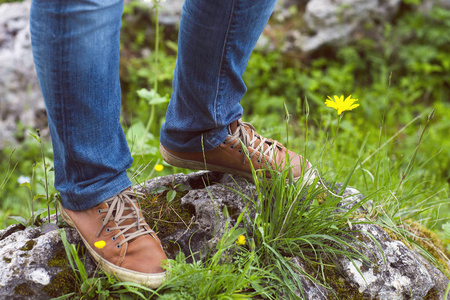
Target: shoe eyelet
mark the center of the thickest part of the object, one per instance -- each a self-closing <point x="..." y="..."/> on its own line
<point x="258" y="161"/>
<point x="103" y="219"/>
<point x="113" y="238"/>
<point x="240" y="150"/>
<point x="107" y="229"/>
<point x="118" y="246"/>
<point x="231" y="147"/>
<point x="99" y="211"/>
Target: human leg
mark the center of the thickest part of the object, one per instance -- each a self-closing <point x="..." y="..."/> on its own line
<point x="202" y="128"/>
<point x="76" y="52"/>
<point x="216" y="38"/>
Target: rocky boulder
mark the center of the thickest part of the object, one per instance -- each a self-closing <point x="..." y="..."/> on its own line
<point x="21" y="101"/>
<point x="33" y="265"/>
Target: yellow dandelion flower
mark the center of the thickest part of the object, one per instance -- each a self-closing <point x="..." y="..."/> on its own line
<point x="340" y="104"/>
<point x="100" y="244"/>
<point x="240" y="240"/>
<point x="158" y="167"/>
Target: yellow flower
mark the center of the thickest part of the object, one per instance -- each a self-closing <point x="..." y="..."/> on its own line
<point x="100" y="244"/>
<point x="158" y="167"/>
<point x="340" y="104"/>
<point x="240" y="240"/>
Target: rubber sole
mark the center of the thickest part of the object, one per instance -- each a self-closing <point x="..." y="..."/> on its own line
<point x="151" y="280"/>
<point x="196" y="165"/>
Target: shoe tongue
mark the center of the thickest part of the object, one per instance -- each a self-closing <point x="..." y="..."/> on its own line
<point x="129" y="221"/>
<point x="232" y="127"/>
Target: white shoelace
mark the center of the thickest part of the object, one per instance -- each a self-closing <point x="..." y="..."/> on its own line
<point x="241" y="134"/>
<point x="115" y="212"/>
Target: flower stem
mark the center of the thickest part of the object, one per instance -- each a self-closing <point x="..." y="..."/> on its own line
<point x="337" y="129"/>
<point x="155" y="83"/>
<point x="156" y="70"/>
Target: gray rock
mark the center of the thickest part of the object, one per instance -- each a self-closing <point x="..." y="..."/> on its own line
<point x="395" y="273"/>
<point x="33" y="265"/>
<point x="338" y="20"/>
<point x="311" y="289"/>
<point x="21" y="100"/>
<point x="208" y="220"/>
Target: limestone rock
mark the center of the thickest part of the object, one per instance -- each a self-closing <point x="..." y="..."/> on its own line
<point x="34" y="266"/>
<point x="334" y="21"/>
<point x="396" y="272"/>
<point x="28" y="268"/>
<point x="21" y="100"/>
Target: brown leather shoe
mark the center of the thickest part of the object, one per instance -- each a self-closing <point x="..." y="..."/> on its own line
<point x="229" y="157"/>
<point x="120" y="241"/>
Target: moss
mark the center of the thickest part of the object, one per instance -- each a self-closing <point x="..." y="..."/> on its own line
<point x="63" y="283"/>
<point x="7" y="259"/>
<point x="165" y="217"/>
<point x="433" y="295"/>
<point x="24" y="290"/>
<point x="342" y="289"/>
<point x="59" y="259"/>
<point x="28" y="245"/>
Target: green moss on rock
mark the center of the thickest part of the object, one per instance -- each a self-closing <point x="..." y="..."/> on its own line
<point x="24" y="290"/>
<point x="28" y="245"/>
<point x="59" y="259"/>
<point x="342" y="289"/>
<point x="63" y="283"/>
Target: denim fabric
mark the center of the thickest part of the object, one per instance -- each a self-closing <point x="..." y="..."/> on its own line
<point x="76" y="53"/>
<point x="216" y="38"/>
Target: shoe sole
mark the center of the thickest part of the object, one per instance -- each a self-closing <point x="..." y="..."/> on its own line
<point x="153" y="281"/>
<point x="196" y="165"/>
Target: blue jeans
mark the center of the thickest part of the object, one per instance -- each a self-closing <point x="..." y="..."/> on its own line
<point x="76" y="53"/>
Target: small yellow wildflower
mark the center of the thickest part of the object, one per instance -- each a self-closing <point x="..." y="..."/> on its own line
<point x="340" y="104"/>
<point x="100" y="244"/>
<point x="158" y="167"/>
<point x="240" y="240"/>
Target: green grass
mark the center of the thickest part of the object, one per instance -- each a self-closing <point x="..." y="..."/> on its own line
<point x="381" y="148"/>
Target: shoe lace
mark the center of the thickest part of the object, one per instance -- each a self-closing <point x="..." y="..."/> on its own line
<point x="241" y="134"/>
<point x="266" y="147"/>
<point x="118" y="205"/>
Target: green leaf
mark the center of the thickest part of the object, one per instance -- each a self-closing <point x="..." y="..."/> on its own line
<point x="182" y="187"/>
<point x="159" y="100"/>
<point x="39" y="212"/>
<point x="171" y="195"/>
<point x="26" y="184"/>
<point x="20" y="220"/>
<point x="39" y="196"/>
<point x="34" y="136"/>
<point x="446" y="228"/>
<point x="152" y="97"/>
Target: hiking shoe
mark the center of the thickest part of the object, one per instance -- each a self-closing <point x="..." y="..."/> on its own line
<point x="230" y="158"/>
<point x="120" y="241"/>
